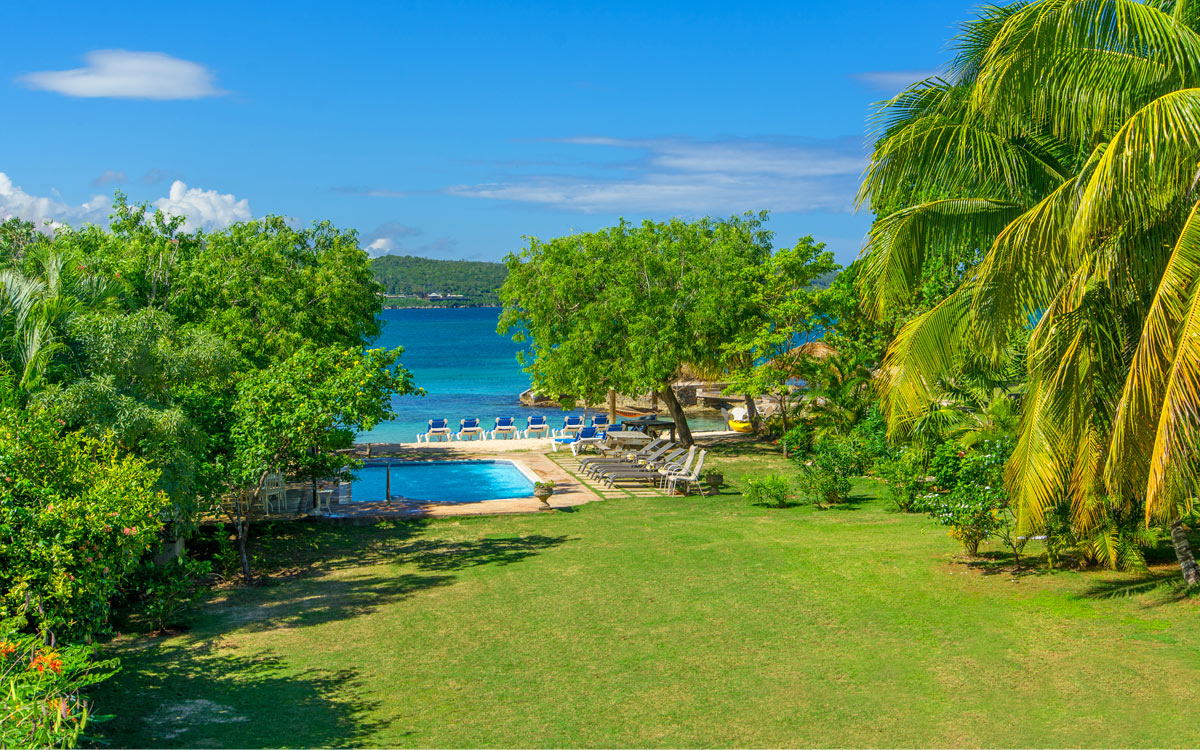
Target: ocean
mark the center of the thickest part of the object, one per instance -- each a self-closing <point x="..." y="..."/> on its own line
<point x="467" y="370"/>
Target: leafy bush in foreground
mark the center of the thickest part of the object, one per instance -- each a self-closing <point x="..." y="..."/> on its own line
<point x="75" y="519"/>
<point x="41" y="698"/>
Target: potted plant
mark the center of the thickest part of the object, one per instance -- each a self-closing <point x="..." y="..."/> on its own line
<point x="715" y="478"/>
<point x="543" y="490"/>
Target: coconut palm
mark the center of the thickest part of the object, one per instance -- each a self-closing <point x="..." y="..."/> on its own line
<point x="1063" y="150"/>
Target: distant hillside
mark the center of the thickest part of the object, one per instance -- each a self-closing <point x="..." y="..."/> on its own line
<point x="472" y="282"/>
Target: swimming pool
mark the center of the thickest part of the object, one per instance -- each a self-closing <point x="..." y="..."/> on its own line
<point x="443" y="481"/>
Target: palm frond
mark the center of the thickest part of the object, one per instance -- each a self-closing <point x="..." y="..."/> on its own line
<point x="922" y="354"/>
<point x="899" y="244"/>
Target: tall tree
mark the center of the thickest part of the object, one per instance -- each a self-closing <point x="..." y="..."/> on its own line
<point x="627" y="307"/>
<point x="770" y="353"/>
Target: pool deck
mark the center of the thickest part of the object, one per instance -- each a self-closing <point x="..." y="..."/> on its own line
<point x="534" y="453"/>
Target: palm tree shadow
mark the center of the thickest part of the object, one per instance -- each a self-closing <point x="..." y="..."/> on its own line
<point x="172" y="694"/>
<point x="1167" y="585"/>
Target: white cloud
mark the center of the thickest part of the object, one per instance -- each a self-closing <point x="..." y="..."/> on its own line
<point x="41" y="210"/>
<point x="689" y="176"/>
<point x="893" y="81"/>
<point x="122" y="74"/>
<point x="394" y="238"/>
<point x="206" y="209"/>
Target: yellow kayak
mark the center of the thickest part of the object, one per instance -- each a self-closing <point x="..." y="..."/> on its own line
<point x="738" y="426"/>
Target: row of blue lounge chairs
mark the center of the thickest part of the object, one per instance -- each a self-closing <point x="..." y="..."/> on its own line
<point x="506" y="428"/>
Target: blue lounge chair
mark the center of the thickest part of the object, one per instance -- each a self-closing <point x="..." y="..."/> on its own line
<point x="600" y="421"/>
<point x="538" y="426"/>
<point x="469" y="428"/>
<point x="571" y="425"/>
<point x="506" y="426"/>
<point x="586" y="435"/>
<point x="438" y="428"/>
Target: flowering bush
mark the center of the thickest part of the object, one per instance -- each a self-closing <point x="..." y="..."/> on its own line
<point x="41" y="698"/>
<point x="977" y="507"/>
<point x="75" y="519"/>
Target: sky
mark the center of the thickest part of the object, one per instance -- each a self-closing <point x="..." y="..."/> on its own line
<point x="453" y="129"/>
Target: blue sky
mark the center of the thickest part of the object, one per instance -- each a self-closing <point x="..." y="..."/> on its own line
<point x="451" y="129"/>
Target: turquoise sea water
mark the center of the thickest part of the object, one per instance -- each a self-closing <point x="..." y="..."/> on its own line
<point x="467" y="369"/>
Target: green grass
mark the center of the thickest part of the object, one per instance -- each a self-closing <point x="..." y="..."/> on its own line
<point x="667" y="622"/>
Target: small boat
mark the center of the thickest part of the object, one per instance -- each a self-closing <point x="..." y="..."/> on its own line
<point x="739" y="420"/>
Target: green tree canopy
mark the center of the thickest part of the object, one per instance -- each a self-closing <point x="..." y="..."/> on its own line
<point x="769" y="354"/>
<point x="625" y="308"/>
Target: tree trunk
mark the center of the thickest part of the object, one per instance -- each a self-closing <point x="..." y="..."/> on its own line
<point x="751" y="408"/>
<point x="1183" y="551"/>
<point x="681" y="426"/>
<point x="243" y="532"/>
<point x="783" y="416"/>
<point x="241" y="525"/>
<point x="612" y="406"/>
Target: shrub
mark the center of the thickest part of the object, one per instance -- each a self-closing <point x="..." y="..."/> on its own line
<point x="908" y="484"/>
<point x="945" y="464"/>
<point x="870" y="439"/>
<point x="977" y="507"/>
<point x="825" y="475"/>
<point x="166" y="591"/>
<point x="798" y="440"/>
<point x="772" y="490"/>
<point x="76" y="519"/>
<point x="41" y="689"/>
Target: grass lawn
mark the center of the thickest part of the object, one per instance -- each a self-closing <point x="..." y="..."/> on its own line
<point x="667" y="622"/>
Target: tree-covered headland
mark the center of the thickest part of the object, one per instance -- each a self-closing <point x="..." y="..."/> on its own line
<point x="409" y="281"/>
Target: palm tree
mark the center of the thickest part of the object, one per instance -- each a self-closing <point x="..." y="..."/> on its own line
<point x="1063" y="150"/>
<point x="37" y="304"/>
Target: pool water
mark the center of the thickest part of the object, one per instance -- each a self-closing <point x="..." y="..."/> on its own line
<point x="442" y="481"/>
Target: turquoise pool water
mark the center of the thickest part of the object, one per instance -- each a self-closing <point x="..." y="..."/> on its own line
<point x="442" y="481"/>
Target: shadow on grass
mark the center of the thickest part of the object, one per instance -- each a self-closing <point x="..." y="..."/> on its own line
<point x="1001" y="562"/>
<point x="741" y="446"/>
<point x="167" y="696"/>
<point x="286" y="548"/>
<point x="319" y="599"/>
<point x="446" y="555"/>
<point x="1167" y="584"/>
<point x="314" y="601"/>
<point x="854" y="502"/>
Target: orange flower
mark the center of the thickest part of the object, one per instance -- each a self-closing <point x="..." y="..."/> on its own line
<point x="7" y="648"/>
<point x="48" y="660"/>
